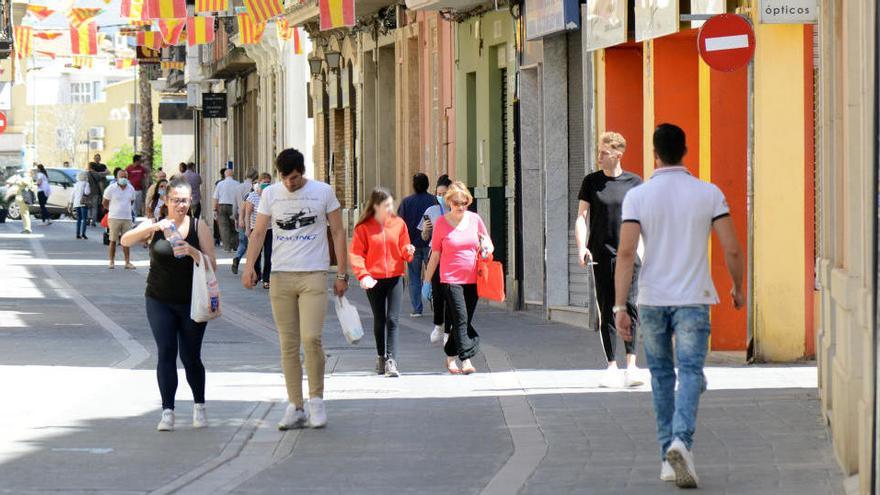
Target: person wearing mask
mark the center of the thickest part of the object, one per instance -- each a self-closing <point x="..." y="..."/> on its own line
<point x="151" y="191"/>
<point x="195" y="182"/>
<point x="24" y="187"/>
<point x="251" y="206"/>
<point x="459" y="238"/>
<point x="411" y="210"/>
<point x="244" y="190"/>
<point x="118" y="200"/>
<point x="97" y="184"/>
<point x="138" y="176"/>
<point x="442" y="318"/>
<point x="675" y="214"/>
<point x="169" y="298"/>
<point x="597" y="233"/>
<point x="79" y="201"/>
<point x="44" y="190"/>
<point x="380" y="249"/>
<point x="300" y="211"/>
<point x="156" y="201"/>
<point x="225" y="198"/>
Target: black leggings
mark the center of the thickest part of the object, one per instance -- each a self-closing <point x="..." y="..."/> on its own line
<point x="442" y="316"/>
<point x="604" y="271"/>
<point x="461" y="299"/>
<point x="267" y="259"/>
<point x="44" y="212"/>
<point x="385" y="302"/>
<point x="173" y="328"/>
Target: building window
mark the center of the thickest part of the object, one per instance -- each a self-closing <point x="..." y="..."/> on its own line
<point x="81" y="92"/>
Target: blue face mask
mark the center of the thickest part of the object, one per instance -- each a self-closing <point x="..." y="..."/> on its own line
<point x="123" y="181"/>
<point x="161" y="191"/>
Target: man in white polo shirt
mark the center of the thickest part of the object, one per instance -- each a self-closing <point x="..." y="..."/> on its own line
<point x="225" y="198"/>
<point x="675" y="214"/>
<point x="118" y="200"/>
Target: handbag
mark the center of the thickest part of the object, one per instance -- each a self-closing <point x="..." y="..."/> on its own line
<point x="490" y="279"/>
<point x="28" y="197"/>
<point x="349" y="320"/>
<point x="205" y="304"/>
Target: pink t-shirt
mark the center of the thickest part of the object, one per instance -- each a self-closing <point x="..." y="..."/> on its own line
<point x="458" y="248"/>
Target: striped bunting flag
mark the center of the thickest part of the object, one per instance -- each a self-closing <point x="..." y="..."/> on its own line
<point x="41" y="12"/>
<point x="263" y="10"/>
<point x="171" y="30"/>
<point x="336" y="13"/>
<point x="82" y="62"/>
<point x="135" y="11"/>
<point x="283" y="29"/>
<point x="165" y="9"/>
<point x="125" y="63"/>
<point x="209" y="6"/>
<point x="24" y="41"/>
<point x="48" y="36"/>
<point x="46" y="54"/>
<point x="297" y="44"/>
<point x="199" y="30"/>
<point x="84" y="40"/>
<point x="172" y="65"/>
<point x="250" y="30"/>
<point x="79" y="16"/>
<point x="150" y="39"/>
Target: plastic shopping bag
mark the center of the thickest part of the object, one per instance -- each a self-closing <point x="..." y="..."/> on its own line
<point x="490" y="280"/>
<point x="349" y="320"/>
<point x="426" y="291"/>
<point x="205" y="304"/>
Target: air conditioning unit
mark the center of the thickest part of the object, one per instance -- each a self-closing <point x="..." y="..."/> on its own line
<point x="96" y="145"/>
<point x="96" y="133"/>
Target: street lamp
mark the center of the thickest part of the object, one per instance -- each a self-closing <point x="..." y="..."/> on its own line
<point x="334" y="58"/>
<point x="315" y="65"/>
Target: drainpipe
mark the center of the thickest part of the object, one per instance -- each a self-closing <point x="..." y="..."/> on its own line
<point x="750" y="209"/>
<point x="875" y="246"/>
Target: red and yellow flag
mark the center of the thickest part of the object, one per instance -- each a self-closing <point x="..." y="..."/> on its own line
<point x="125" y="63"/>
<point x="48" y="36"/>
<point x="24" y="41"/>
<point x="41" y="12"/>
<point x="297" y="44"/>
<point x="262" y="10"/>
<point x="135" y="11"/>
<point x="172" y="64"/>
<point x="249" y="29"/>
<point x="79" y="16"/>
<point x="199" y="30"/>
<point x="46" y="54"/>
<point x="208" y="6"/>
<point x="171" y="30"/>
<point x="165" y="9"/>
<point x="283" y="29"/>
<point x="150" y="39"/>
<point x="84" y="40"/>
<point x="82" y="62"/>
<point x="336" y="13"/>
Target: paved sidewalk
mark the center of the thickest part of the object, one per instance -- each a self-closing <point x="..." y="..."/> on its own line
<point x="76" y="350"/>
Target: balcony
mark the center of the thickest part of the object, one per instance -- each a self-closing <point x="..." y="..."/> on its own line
<point x="443" y="4"/>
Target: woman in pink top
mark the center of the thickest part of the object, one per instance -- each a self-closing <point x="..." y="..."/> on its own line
<point x="459" y="237"/>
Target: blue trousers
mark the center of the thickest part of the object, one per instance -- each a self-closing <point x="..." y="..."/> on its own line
<point x="82" y="220"/>
<point x="414" y="269"/>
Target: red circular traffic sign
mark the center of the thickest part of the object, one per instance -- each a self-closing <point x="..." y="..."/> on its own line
<point x="2" y="122"/>
<point x="726" y="42"/>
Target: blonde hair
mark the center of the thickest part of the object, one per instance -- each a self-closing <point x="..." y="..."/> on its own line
<point x="613" y="138"/>
<point x="456" y="189"/>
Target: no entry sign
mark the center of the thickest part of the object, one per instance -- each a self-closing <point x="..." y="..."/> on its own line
<point x="2" y="122"/>
<point x="726" y="42"/>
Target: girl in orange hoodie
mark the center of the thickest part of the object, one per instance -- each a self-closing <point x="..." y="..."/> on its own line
<point x="378" y="255"/>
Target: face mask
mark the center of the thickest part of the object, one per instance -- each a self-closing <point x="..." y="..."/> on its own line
<point x="161" y="191"/>
<point x="440" y="199"/>
<point x="264" y="185"/>
<point x="123" y="182"/>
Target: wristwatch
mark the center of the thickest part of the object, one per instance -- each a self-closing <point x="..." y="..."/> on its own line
<point x="617" y="309"/>
<point x="342" y="276"/>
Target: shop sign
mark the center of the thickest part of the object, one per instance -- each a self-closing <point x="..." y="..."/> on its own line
<point x="547" y="17"/>
<point x="656" y="18"/>
<point x="604" y="23"/>
<point x="789" y="11"/>
<point x="214" y="105"/>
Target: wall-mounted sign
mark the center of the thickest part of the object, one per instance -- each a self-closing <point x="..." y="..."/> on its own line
<point x="726" y="42"/>
<point x="789" y="11"/>
<point x="604" y="23"/>
<point x="656" y="18"/>
<point x="547" y="17"/>
<point x="707" y="7"/>
<point x="214" y="105"/>
<point x="148" y="55"/>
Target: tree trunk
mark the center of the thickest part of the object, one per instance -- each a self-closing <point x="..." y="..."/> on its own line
<point x="145" y="117"/>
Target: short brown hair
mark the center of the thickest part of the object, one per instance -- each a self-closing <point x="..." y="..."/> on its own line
<point x="615" y="139"/>
<point x="456" y="189"/>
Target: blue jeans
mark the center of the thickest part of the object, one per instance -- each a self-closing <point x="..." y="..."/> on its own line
<point x="676" y="412"/>
<point x="420" y="258"/>
<point x="82" y="219"/>
<point x="242" y="244"/>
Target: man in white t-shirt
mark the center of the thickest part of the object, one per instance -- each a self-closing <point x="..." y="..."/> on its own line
<point x="675" y="214"/>
<point x="299" y="211"/>
<point x="118" y="200"/>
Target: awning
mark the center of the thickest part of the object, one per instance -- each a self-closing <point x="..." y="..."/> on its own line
<point x="442" y="4"/>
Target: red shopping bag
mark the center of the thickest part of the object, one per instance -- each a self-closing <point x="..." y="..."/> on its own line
<point x="490" y="279"/>
<point x="105" y="222"/>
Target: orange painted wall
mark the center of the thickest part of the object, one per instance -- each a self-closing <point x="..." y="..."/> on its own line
<point x="677" y="89"/>
<point x="623" y="101"/>
<point x="729" y="149"/>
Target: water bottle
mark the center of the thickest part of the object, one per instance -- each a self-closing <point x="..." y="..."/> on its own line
<point x="174" y="237"/>
<point x="214" y="294"/>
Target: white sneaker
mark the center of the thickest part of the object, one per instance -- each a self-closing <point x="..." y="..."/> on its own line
<point x="437" y="334"/>
<point x="611" y="378"/>
<point x="167" y="422"/>
<point x="200" y="418"/>
<point x="317" y="413"/>
<point x="630" y="378"/>
<point x="293" y="419"/>
<point x="682" y="462"/>
<point x="666" y="472"/>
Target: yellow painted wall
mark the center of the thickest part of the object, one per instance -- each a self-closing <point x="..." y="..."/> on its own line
<point x="779" y="258"/>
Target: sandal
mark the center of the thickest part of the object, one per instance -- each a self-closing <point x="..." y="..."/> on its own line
<point x="452" y="367"/>
<point x="129" y="266"/>
<point x="469" y="369"/>
<point x="266" y="285"/>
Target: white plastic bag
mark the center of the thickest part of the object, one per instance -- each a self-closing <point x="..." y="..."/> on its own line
<point x="205" y="304"/>
<point x="349" y="320"/>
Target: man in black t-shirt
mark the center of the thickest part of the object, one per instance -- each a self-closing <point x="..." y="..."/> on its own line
<point x="597" y="231"/>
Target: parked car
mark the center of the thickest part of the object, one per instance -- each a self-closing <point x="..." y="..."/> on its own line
<point x="61" y="180"/>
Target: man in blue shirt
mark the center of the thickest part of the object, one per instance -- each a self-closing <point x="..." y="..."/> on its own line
<point x="411" y="210"/>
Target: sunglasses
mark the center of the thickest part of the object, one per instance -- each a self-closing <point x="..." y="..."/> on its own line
<point x="456" y="202"/>
<point x="179" y="201"/>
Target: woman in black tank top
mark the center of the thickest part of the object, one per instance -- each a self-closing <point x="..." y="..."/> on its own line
<point x="169" y="296"/>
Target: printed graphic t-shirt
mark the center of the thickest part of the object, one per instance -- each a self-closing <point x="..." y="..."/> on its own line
<point x="299" y="225"/>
